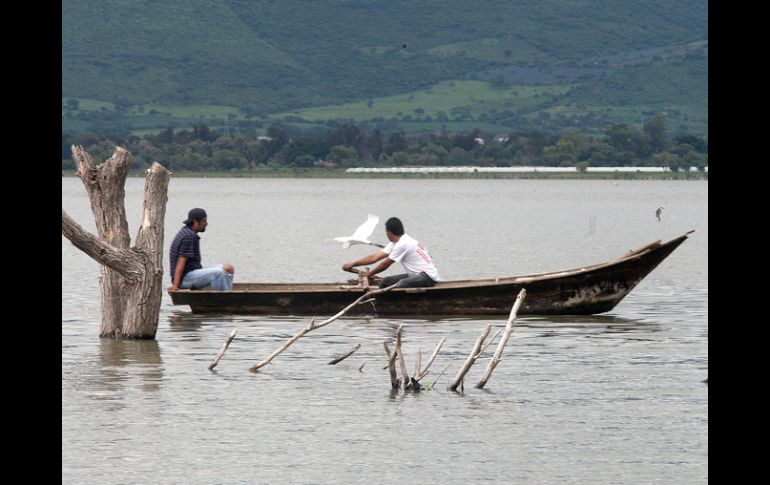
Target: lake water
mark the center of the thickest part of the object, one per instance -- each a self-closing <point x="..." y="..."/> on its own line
<point x="614" y="398"/>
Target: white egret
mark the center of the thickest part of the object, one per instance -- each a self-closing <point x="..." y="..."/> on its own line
<point x="361" y="236"/>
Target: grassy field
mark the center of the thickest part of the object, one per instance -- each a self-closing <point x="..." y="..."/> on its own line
<point x="591" y="106"/>
<point x="86" y="104"/>
<point x="202" y="111"/>
<point x="449" y="97"/>
<point x="149" y="118"/>
<point x="492" y="50"/>
<point x="666" y="87"/>
<point x="689" y="119"/>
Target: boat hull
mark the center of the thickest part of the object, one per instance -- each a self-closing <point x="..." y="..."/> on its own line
<point x="582" y="291"/>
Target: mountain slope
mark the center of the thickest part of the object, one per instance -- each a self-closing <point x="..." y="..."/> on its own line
<point x="271" y="56"/>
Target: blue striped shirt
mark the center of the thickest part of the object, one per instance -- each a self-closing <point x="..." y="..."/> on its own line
<point x="186" y="243"/>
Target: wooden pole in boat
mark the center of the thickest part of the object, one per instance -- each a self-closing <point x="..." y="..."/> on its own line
<point x="345" y="356"/>
<point x="222" y="350"/>
<point x="365" y="298"/>
<point x="475" y="354"/>
<point x="362" y="281"/>
<point x="503" y="340"/>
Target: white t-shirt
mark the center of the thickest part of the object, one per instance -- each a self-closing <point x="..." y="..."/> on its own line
<point x="412" y="256"/>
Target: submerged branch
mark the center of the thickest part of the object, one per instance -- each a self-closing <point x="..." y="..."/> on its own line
<point x="222" y="350"/>
<point x="366" y="297"/>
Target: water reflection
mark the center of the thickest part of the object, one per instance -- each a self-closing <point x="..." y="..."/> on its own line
<point x="124" y="360"/>
<point x="188" y="326"/>
<point x="182" y="322"/>
<point x="577" y="319"/>
<point x="587" y="325"/>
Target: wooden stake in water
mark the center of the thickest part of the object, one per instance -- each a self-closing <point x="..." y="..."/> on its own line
<point x="223" y="350"/>
<point x="503" y="340"/>
<point x="475" y="354"/>
<point x="345" y="356"/>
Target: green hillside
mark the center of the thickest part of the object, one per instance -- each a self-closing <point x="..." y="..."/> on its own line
<point x="319" y="59"/>
<point x="442" y="100"/>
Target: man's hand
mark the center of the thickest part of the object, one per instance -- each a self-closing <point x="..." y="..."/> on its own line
<point x="347" y="266"/>
<point x="172" y="288"/>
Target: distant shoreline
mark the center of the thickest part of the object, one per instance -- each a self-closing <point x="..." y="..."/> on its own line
<point x="340" y="174"/>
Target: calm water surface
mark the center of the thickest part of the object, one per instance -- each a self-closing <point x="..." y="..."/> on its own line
<point x="614" y="398"/>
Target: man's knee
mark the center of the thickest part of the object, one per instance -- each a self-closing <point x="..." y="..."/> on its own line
<point x="229" y="268"/>
<point x="421" y="280"/>
<point x="389" y="280"/>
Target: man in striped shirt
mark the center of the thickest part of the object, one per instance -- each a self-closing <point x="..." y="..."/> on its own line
<point x="185" y="258"/>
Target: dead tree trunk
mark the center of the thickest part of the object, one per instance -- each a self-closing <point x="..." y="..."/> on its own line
<point x="104" y="185"/>
<point x="410" y="383"/>
<point x="475" y="354"/>
<point x="497" y="358"/>
<point x="401" y="360"/>
<point x="395" y="381"/>
<point x="131" y="280"/>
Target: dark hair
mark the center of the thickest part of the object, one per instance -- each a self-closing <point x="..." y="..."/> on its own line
<point x="395" y="226"/>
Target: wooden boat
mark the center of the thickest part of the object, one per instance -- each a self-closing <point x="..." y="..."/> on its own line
<point x="580" y="291"/>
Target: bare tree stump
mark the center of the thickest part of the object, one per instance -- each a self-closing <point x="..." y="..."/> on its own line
<point x="104" y="185"/>
<point x="410" y="383"/>
<point x="131" y="289"/>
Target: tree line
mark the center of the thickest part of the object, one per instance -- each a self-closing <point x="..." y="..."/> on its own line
<point x="203" y="149"/>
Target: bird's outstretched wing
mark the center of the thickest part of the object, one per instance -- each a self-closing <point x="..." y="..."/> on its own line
<point x="366" y="229"/>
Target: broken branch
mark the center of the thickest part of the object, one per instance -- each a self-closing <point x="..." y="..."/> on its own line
<point x="222" y="350"/>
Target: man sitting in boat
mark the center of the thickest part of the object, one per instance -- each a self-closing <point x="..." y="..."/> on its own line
<point x="185" y="258"/>
<point x="402" y="248"/>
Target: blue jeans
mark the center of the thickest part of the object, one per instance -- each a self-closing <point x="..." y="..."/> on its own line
<point x="420" y="280"/>
<point x="216" y="276"/>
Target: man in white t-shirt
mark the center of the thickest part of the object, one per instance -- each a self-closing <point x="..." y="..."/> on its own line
<point x="402" y="248"/>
